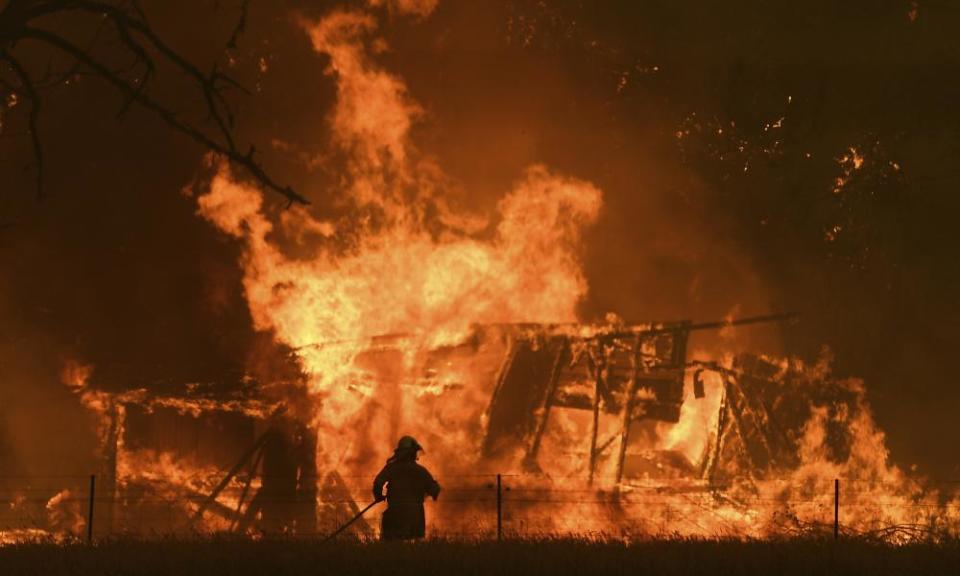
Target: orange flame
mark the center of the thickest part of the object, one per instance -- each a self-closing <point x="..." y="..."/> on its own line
<point x="413" y="265"/>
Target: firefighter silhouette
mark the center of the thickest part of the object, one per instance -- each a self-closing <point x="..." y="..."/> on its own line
<point x="407" y="483"/>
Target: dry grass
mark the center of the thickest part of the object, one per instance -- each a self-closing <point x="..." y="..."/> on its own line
<point x="219" y="556"/>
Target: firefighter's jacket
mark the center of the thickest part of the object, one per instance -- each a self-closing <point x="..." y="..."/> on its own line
<point x="407" y="483"/>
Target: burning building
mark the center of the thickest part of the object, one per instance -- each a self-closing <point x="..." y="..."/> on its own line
<point x="610" y="428"/>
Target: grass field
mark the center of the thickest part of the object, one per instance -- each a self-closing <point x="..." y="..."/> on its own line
<point x="527" y="558"/>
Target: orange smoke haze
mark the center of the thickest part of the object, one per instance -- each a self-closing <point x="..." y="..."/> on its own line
<point x="455" y="194"/>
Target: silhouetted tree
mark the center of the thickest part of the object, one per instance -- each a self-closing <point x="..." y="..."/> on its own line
<point x="24" y="22"/>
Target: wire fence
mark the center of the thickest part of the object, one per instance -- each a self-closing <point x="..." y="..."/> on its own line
<point x="474" y="506"/>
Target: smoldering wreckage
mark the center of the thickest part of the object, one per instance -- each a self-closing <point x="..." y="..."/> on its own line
<point x="601" y="429"/>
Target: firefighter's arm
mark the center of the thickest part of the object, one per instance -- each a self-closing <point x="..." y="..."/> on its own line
<point x="378" y="483"/>
<point x="432" y="487"/>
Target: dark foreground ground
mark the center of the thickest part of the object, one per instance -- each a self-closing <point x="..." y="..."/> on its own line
<point x="526" y="558"/>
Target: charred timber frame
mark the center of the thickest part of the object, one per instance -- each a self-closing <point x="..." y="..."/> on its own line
<point x="628" y="412"/>
<point x="744" y="416"/>
<point x="108" y="475"/>
<point x="714" y="452"/>
<point x="657" y="363"/>
<point x="572" y="329"/>
<point x="674" y="368"/>
<point x="505" y="366"/>
<point x="339" y="503"/>
<point x="531" y="459"/>
<point x="671" y="370"/>
<point x="251" y="472"/>
<point x="598" y="368"/>
<point x="253" y="450"/>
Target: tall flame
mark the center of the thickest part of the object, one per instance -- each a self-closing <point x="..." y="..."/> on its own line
<point x="406" y="261"/>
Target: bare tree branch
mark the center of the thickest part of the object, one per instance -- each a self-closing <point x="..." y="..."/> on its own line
<point x="241" y="26"/>
<point x="28" y="88"/>
<point x="208" y="82"/>
<point x="17" y="22"/>
<point x="168" y="116"/>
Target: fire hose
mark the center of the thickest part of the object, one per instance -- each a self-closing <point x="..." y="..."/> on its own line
<point x="347" y="524"/>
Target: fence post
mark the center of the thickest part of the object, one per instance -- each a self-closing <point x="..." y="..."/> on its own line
<point x="836" y="508"/>
<point x="499" y="509"/>
<point x="93" y="488"/>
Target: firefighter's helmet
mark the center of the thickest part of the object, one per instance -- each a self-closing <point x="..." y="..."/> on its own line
<point x="408" y="443"/>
